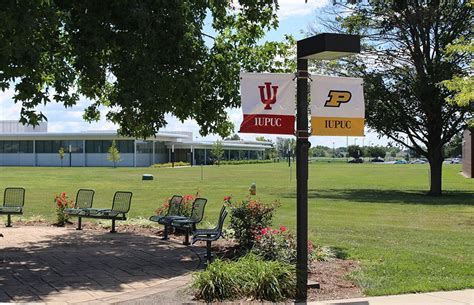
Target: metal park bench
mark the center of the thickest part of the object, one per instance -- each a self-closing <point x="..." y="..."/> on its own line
<point x="172" y="213"/>
<point x="13" y="201"/>
<point x="210" y="235"/>
<point x="189" y="224"/>
<point x="120" y="207"/>
<point x="84" y="199"/>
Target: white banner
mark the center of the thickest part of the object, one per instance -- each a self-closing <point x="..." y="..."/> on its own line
<point x="337" y="106"/>
<point x="268" y="103"/>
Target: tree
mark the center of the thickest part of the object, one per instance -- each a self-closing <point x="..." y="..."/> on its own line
<point x="355" y="151"/>
<point x="454" y="148"/>
<point x="141" y="59"/>
<point x="403" y="63"/>
<point x="61" y="155"/>
<point x="217" y="151"/>
<point x="262" y="139"/>
<point x="376" y="151"/>
<point x="114" y="154"/>
<point x="285" y="144"/>
<point x="319" y="151"/>
<point x="234" y="137"/>
<point x="463" y="85"/>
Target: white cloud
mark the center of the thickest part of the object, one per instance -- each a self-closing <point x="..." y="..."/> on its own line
<point x="293" y="8"/>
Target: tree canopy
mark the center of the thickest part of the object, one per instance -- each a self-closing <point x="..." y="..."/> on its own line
<point x="141" y="59"/>
<point x="403" y="63"/>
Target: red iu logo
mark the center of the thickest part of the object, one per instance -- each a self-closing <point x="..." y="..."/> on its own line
<point x="271" y="99"/>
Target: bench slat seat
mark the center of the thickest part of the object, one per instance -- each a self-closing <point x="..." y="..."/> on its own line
<point x="11" y="210"/>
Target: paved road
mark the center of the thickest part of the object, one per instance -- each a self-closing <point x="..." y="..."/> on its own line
<point x="49" y="264"/>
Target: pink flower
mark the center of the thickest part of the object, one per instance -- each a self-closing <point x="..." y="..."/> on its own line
<point x="275" y="231"/>
<point x="227" y="198"/>
<point x="264" y="231"/>
<point x="282" y="228"/>
<point x="258" y="237"/>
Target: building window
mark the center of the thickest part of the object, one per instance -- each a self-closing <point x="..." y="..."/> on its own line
<point x="53" y="146"/>
<point x="102" y="146"/>
<point x="14" y="147"/>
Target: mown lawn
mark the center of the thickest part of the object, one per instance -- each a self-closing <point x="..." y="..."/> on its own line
<point x="378" y="213"/>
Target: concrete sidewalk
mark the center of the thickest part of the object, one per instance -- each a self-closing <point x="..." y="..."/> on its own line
<point x="458" y="297"/>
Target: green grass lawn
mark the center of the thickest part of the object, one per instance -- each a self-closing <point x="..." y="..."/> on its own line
<point x="379" y="213"/>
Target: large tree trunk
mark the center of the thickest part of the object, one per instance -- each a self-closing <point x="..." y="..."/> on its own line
<point x="436" y="168"/>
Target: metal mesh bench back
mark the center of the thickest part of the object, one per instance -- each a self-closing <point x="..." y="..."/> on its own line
<point x="174" y="205"/>
<point x="14" y="197"/>
<point x="84" y="199"/>
<point x="197" y="212"/>
<point x="222" y="216"/>
<point x="122" y="201"/>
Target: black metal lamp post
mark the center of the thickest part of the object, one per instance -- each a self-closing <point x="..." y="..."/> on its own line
<point x="322" y="46"/>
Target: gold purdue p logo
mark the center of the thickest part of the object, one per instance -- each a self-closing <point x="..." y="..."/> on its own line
<point x="336" y="97"/>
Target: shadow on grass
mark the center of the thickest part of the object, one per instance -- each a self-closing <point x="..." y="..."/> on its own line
<point x="391" y="196"/>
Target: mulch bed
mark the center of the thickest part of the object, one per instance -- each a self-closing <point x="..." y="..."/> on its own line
<point x="332" y="276"/>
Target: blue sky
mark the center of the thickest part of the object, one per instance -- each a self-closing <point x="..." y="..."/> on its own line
<point x="295" y="17"/>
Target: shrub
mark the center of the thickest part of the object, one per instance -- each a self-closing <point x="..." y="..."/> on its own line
<point x="240" y="162"/>
<point x="169" y="164"/>
<point x="273" y="244"/>
<point x="249" y="277"/>
<point x="247" y="218"/>
<point x="62" y="202"/>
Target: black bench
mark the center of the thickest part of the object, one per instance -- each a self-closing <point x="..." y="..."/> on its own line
<point x="210" y="235"/>
<point x="120" y="207"/>
<point x="172" y="213"/>
<point x="13" y="201"/>
<point x="188" y="224"/>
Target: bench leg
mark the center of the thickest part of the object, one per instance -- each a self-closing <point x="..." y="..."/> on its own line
<point x="9" y="220"/>
<point x="165" y="233"/>
<point x="186" y="238"/>
<point x="79" y="223"/>
<point x="113" y="226"/>
<point x="209" y="257"/>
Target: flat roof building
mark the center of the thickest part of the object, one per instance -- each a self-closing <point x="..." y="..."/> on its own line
<point x="90" y="148"/>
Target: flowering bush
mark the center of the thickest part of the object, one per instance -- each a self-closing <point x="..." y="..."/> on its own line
<point x="280" y="245"/>
<point x="273" y="244"/>
<point x="247" y="218"/>
<point x="62" y="202"/>
<point x="185" y="207"/>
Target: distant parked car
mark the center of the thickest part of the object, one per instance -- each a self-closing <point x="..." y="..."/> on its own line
<point x="418" y="161"/>
<point x="356" y="160"/>
<point x="400" y="162"/>
<point x="377" y="160"/>
<point x="455" y="161"/>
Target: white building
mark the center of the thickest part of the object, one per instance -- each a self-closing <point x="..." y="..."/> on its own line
<point x="37" y="147"/>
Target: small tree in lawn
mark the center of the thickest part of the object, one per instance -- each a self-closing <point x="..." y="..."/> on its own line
<point x="61" y="155"/>
<point x="114" y="154"/>
<point x="355" y="151"/>
<point x="217" y="151"/>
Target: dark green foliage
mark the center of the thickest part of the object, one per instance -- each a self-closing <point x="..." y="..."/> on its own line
<point x="240" y="162"/>
<point x="403" y="63"/>
<point x="143" y="59"/>
<point x="355" y="151"/>
<point x="249" y="277"/>
<point x="247" y="218"/>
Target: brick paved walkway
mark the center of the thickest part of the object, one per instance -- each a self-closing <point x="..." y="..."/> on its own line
<point x="49" y="264"/>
